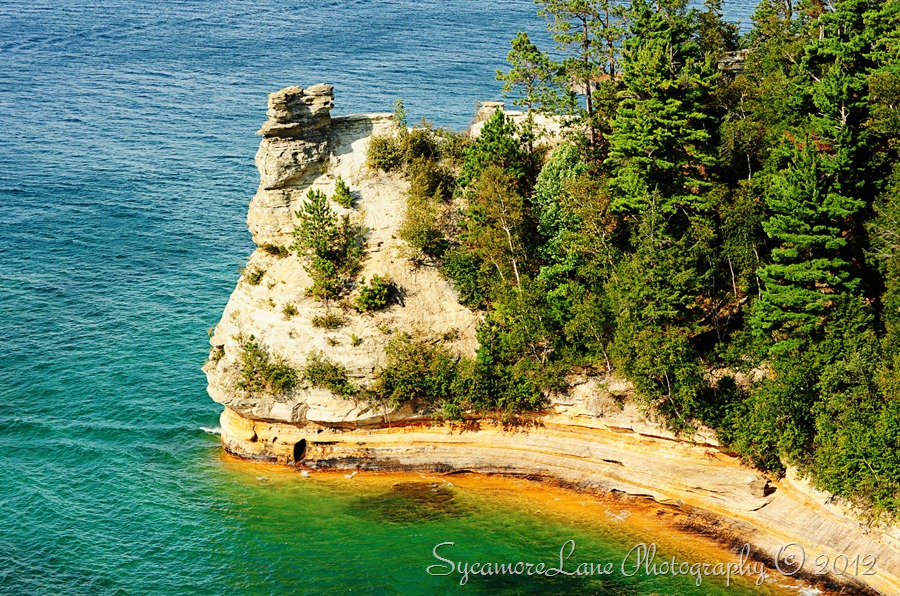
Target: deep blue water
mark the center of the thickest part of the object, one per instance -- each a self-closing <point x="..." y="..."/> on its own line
<point x="126" y="165"/>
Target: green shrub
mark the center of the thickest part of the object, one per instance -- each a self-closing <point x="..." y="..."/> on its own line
<point x="415" y="369"/>
<point x="469" y="277"/>
<point x="453" y="146"/>
<point x="333" y="246"/>
<point x="374" y="296"/>
<point x="398" y="149"/>
<point x="421" y="231"/>
<point x="385" y="153"/>
<point x="254" y="275"/>
<point x="330" y="320"/>
<point x="419" y="143"/>
<point x="216" y="353"/>
<point x="355" y="340"/>
<point x="342" y="195"/>
<point x="322" y="373"/>
<point x="289" y="310"/>
<point x="501" y="144"/>
<point x="276" y="250"/>
<point x="264" y="372"/>
<point x="423" y="223"/>
<point x="430" y="180"/>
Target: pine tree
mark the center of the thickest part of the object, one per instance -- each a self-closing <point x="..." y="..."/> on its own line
<point x="332" y="246"/>
<point x="808" y="264"/>
<point x="656" y="316"/>
<point x="504" y="145"/>
<point x="533" y="76"/>
<point x="660" y="142"/>
<point x="588" y="32"/>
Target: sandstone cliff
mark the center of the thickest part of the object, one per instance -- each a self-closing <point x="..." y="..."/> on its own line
<point x="589" y="438"/>
<point x="304" y="148"/>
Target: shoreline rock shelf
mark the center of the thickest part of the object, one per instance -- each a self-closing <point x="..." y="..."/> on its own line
<point x="586" y="439"/>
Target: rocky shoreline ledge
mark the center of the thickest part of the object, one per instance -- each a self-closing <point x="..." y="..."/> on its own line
<point x="724" y="499"/>
<point x="589" y="439"/>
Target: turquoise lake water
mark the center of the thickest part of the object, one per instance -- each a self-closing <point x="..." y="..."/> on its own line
<point x="126" y="166"/>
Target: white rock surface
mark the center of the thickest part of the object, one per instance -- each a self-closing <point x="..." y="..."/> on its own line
<point x="304" y="148"/>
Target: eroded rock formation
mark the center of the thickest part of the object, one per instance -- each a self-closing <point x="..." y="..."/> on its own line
<point x="304" y="148"/>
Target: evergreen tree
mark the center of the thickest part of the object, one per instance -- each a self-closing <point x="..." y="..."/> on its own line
<point x="588" y="32"/>
<point x="808" y="265"/>
<point x="655" y="301"/>
<point x="533" y="75"/>
<point x="504" y="145"/>
<point x="660" y="134"/>
<point x="332" y="246"/>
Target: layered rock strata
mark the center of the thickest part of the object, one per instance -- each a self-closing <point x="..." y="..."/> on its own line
<point x="590" y="438"/>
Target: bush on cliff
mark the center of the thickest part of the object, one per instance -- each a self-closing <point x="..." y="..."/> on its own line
<point x="375" y="294"/>
<point x="263" y="372"/>
<point x="385" y="153"/>
<point x="417" y="368"/>
<point x="253" y="274"/>
<point x="427" y="205"/>
<point x="397" y="149"/>
<point x="414" y="369"/>
<point x="342" y="195"/>
<point x="322" y="373"/>
<point x="333" y="246"/>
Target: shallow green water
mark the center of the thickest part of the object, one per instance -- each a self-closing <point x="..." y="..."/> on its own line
<point x="378" y="534"/>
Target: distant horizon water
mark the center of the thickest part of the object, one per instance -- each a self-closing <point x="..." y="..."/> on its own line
<point x="126" y="167"/>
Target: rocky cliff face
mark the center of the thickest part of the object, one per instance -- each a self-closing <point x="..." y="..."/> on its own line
<point x="296" y="148"/>
<point x="589" y="438"/>
<point x="304" y="148"/>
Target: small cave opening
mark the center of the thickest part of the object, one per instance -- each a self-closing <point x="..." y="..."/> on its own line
<point x="299" y="450"/>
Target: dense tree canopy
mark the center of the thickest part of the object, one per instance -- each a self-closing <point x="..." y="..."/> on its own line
<point x="727" y="240"/>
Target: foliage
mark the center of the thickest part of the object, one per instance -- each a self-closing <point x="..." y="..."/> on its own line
<point x="384" y="153"/>
<point x="276" y="250"/>
<point x="807" y="267"/>
<point x="253" y="275"/>
<point x="502" y="145"/>
<point x="342" y="195"/>
<point x="323" y="373"/>
<point x="332" y="246"/>
<point x="400" y="147"/>
<point x="289" y="310"/>
<point x="495" y="223"/>
<point x="423" y="370"/>
<point x="414" y="369"/>
<point x="452" y="146"/>
<point x="660" y="139"/>
<point x="533" y="74"/>
<point x="216" y="353"/>
<point x="728" y="241"/>
<point x="426" y="215"/>
<point x="469" y="274"/>
<point x="263" y="372"/>
<point x="549" y="199"/>
<point x="588" y="33"/>
<point x="330" y="320"/>
<point x="375" y="294"/>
